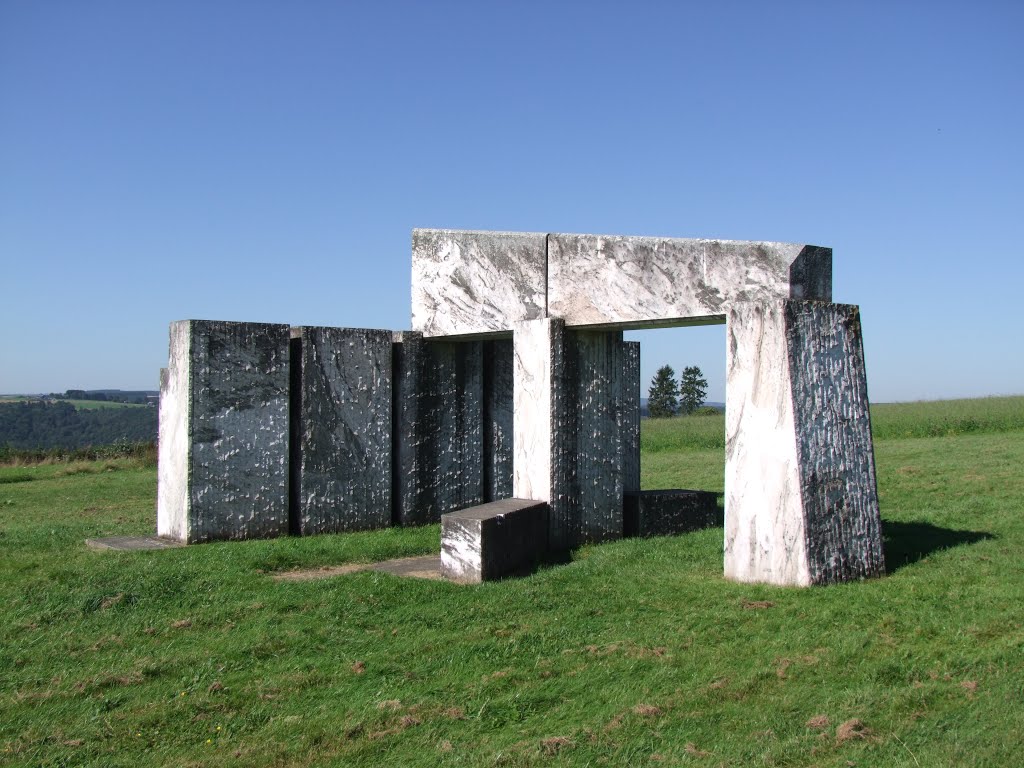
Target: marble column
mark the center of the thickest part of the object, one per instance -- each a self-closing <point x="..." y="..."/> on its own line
<point x="341" y="430"/>
<point x="224" y="442"/>
<point x="591" y="484"/>
<point x="629" y="417"/>
<point x="567" y="440"/>
<point x="498" y="419"/>
<point x="438" y="428"/>
<point x="801" y="499"/>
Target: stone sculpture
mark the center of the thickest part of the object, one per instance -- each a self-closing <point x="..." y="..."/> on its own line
<point x="515" y="383"/>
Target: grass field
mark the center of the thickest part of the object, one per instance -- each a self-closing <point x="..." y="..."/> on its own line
<point x="635" y="653"/>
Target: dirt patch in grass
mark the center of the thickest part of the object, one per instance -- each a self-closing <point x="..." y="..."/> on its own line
<point x="646" y="710"/>
<point x="818" y="722"/>
<point x="323" y="572"/>
<point x="851" y="730"/>
<point x="554" y="744"/>
<point x="424" y="567"/>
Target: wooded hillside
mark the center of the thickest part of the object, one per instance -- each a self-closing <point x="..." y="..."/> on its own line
<point x="39" y="424"/>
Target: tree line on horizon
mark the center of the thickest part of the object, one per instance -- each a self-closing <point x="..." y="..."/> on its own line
<point x="668" y="397"/>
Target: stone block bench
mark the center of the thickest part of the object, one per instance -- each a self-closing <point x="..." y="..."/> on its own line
<point x="493" y="540"/>
<point x="662" y="513"/>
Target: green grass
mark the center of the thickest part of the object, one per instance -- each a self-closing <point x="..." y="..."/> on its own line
<point x="635" y="653"/>
<point x="939" y="418"/>
<point x="931" y="418"/>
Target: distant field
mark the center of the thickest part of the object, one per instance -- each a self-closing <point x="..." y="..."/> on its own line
<point x="82" y="405"/>
<point x="888" y="420"/>
<point x="92" y="405"/>
<point x="635" y="653"/>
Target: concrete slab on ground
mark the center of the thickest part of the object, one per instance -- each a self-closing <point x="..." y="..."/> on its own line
<point x="132" y="543"/>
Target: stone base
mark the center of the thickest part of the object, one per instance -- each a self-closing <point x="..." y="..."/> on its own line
<point x="663" y="513"/>
<point x="133" y="543"/>
<point x="493" y="540"/>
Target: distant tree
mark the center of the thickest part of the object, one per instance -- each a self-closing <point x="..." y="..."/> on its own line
<point x="663" y="396"/>
<point x="693" y="388"/>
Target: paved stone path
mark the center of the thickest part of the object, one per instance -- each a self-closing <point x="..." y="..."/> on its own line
<point x="132" y="543"/>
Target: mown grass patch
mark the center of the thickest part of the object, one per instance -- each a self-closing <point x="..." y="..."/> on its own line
<point x="927" y="418"/>
<point x="634" y="653"/>
<point x="938" y="418"/>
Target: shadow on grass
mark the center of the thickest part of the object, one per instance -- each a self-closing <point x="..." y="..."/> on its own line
<point x="907" y="543"/>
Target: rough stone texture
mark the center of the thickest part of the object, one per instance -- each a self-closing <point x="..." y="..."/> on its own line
<point x="498" y="419"/>
<point x="625" y="282"/>
<point x="438" y="428"/>
<point x="493" y="540"/>
<point x="834" y="447"/>
<point x="568" y="445"/>
<point x="667" y="512"/>
<point x="476" y="282"/>
<point x="629" y="416"/>
<point x="223" y="470"/>
<point x="801" y="506"/>
<point x="341" y="430"/>
<point x="588" y="478"/>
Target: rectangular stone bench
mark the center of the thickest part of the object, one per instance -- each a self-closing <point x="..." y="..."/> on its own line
<point x="663" y="513"/>
<point x="493" y="540"/>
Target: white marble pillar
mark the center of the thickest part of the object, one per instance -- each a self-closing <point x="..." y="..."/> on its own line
<point x="801" y="504"/>
<point x="538" y="350"/>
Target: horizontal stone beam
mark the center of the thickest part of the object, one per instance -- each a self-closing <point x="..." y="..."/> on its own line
<point x="635" y="282"/>
<point x="467" y="283"/>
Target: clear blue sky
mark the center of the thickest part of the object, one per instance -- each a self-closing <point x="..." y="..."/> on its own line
<point x="266" y="161"/>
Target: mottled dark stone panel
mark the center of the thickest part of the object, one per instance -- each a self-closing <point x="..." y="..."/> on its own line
<point x="238" y="430"/>
<point x="629" y="416"/>
<point x="563" y="519"/>
<point x="438" y="415"/>
<point x="498" y="419"/>
<point x="810" y="274"/>
<point x="587" y="493"/>
<point x="494" y="540"/>
<point x="834" y="446"/>
<point x="667" y="512"/>
<point x="343" y="455"/>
